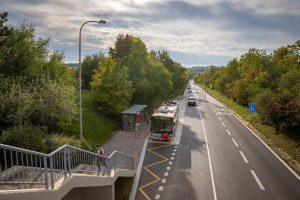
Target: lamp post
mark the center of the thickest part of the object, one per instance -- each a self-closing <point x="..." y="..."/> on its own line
<point x="80" y="99"/>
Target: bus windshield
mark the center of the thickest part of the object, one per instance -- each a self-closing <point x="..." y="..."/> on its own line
<point x="161" y="125"/>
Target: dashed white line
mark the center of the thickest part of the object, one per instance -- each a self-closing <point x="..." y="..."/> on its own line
<point x="176" y="147"/>
<point x="223" y="124"/>
<point x="173" y="154"/>
<point x="257" y="180"/>
<point x="170" y="163"/>
<point x="160" y="188"/>
<point x="228" y="132"/>
<point x="175" y="150"/>
<point x="168" y="168"/>
<point x="244" y="157"/>
<point x="210" y="166"/>
<point x="166" y="174"/>
<point x="235" y="143"/>
<point x="220" y="118"/>
<point x="163" y="180"/>
<point x="172" y="158"/>
<point x="157" y="196"/>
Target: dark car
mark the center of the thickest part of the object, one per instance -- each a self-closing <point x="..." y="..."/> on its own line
<point x="192" y="101"/>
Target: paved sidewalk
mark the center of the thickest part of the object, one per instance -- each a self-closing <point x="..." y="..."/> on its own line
<point x="130" y="143"/>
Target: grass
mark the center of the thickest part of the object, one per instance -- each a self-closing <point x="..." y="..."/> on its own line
<point x="286" y="144"/>
<point x="97" y="128"/>
<point x="123" y="187"/>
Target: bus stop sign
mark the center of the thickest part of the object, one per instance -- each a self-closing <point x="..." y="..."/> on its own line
<point x="252" y="107"/>
<point x="138" y="118"/>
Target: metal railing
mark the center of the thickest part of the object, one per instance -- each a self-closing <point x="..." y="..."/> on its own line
<point x="22" y="166"/>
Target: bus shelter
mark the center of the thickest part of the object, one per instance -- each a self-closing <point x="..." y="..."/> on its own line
<point x="132" y="117"/>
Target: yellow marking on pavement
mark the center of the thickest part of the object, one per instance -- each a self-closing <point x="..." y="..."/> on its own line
<point x="157" y="178"/>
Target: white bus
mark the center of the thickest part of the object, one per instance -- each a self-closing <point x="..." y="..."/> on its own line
<point x="164" y="121"/>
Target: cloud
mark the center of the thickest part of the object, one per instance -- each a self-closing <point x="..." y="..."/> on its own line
<point x="206" y="31"/>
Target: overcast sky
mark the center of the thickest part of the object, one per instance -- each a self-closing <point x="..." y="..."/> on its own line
<point x="194" y="32"/>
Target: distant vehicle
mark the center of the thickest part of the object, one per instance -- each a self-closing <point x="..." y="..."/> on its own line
<point x="189" y="87"/>
<point x="164" y="121"/>
<point x="190" y="91"/>
<point x="192" y="101"/>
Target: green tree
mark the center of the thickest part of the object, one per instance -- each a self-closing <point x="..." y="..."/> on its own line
<point x="111" y="90"/>
<point x="89" y="64"/>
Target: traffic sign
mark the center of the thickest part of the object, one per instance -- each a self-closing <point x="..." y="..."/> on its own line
<point x="252" y="107"/>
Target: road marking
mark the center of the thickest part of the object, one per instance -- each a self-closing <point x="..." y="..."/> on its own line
<point x="220" y="118"/>
<point x="257" y="180"/>
<point x="235" y="143"/>
<point x="168" y="168"/>
<point x="153" y="174"/>
<point x="163" y="180"/>
<point x="273" y="152"/>
<point x="210" y="167"/>
<point x="176" y="147"/>
<point x="172" y="158"/>
<point x="244" y="157"/>
<point x="166" y="174"/>
<point x="175" y="150"/>
<point x="138" y="171"/>
<point x="223" y="124"/>
<point x="170" y="163"/>
<point x="160" y="188"/>
<point x="228" y="132"/>
<point x="173" y="154"/>
<point x="157" y="196"/>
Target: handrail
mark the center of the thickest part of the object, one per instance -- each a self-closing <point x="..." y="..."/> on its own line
<point x="21" y="149"/>
<point x="120" y="153"/>
<point x="22" y="166"/>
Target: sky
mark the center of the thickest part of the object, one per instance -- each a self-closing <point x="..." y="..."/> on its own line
<point x="194" y="32"/>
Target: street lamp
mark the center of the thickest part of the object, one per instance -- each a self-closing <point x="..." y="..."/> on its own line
<point x="80" y="100"/>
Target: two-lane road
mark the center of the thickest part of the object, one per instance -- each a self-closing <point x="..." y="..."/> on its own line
<point x="219" y="158"/>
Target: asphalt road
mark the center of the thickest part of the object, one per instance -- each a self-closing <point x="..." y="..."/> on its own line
<point x="217" y="157"/>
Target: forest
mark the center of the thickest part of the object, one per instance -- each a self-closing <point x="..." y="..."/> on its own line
<point x="270" y="80"/>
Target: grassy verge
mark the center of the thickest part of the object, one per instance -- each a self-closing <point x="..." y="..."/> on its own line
<point x="97" y="128"/>
<point x="286" y="144"/>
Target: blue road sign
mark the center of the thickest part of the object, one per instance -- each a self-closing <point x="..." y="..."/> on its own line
<point x="252" y="107"/>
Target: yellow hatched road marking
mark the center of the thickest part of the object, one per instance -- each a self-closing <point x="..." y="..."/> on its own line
<point x="152" y="173"/>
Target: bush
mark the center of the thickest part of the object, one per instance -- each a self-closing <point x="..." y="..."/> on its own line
<point x="28" y="137"/>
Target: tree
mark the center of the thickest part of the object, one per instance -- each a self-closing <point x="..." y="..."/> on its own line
<point x="111" y="90"/>
<point x="89" y="64"/>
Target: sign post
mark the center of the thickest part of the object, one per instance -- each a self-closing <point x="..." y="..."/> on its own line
<point x="252" y="109"/>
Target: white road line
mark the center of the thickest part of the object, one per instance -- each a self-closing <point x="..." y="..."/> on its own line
<point x="160" y="188"/>
<point x="170" y="163"/>
<point x="157" y="196"/>
<point x="244" y="157"/>
<point x="173" y="154"/>
<point x="228" y="132"/>
<point x="163" y="180"/>
<point x="257" y="180"/>
<point x="166" y="174"/>
<point x="175" y="150"/>
<point x="235" y="143"/>
<point x="220" y="118"/>
<point x="176" y="147"/>
<point x="210" y="167"/>
<point x="273" y="152"/>
<point x="172" y="158"/>
<point x="168" y="168"/>
<point x="223" y="124"/>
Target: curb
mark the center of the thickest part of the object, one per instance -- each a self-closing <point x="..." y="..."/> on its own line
<point x="138" y="171"/>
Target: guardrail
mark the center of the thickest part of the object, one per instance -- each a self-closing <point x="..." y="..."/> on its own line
<point x="22" y="166"/>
